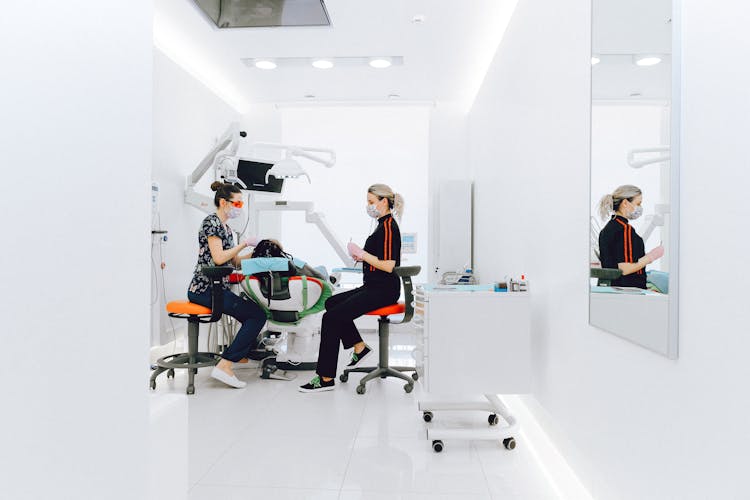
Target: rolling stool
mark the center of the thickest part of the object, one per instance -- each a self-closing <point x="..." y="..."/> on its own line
<point x="195" y="314"/>
<point x="383" y="369"/>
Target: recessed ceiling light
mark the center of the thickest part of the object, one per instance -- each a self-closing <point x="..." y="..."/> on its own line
<point x="595" y="60"/>
<point x="649" y="60"/>
<point x="323" y="63"/>
<point x="418" y="19"/>
<point x="309" y="96"/>
<point x="380" y="62"/>
<point x="636" y="93"/>
<point x="265" y="64"/>
<point x="393" y="96"/>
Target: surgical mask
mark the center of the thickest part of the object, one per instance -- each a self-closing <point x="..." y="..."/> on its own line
<point x="372" y="211"/>
<point x="234" y="212"/>
<point x="636" y="213"/>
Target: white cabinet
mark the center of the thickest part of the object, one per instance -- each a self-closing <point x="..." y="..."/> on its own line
<point x="472" y="342"/>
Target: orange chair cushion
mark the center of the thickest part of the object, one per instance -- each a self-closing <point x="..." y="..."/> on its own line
<point x="187" y="307"/>
<point x="388" y="310"/>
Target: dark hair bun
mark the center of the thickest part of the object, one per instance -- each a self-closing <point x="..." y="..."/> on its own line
<point x="215" y="185"/>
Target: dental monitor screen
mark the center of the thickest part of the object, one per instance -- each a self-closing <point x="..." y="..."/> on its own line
<point x="253" y="174"/>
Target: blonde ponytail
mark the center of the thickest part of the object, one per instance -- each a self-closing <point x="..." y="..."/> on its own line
<point x="610" y="203"/>
<point x="395" y="200"/>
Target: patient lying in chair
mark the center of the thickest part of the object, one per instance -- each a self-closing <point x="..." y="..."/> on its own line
<point x="292" y="294"/>
<point x="272" y="248"/>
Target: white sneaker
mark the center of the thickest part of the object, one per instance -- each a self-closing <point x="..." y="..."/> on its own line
<point x="228" y="379"/>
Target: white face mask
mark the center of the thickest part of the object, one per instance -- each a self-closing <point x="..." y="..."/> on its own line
<point x="234" y="212"/>
<point x="636" y="213"/>
<point x="372" y="211"/>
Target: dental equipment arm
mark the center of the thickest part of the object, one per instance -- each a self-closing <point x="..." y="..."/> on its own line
<point x="223" y="159"/>
<point x="661" y="209"/>
<point x="310" y="216"/>
<point x="646" y="161"/>
<point x="656" y="221"/>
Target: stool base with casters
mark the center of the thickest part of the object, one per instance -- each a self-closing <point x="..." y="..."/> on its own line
<point x="384" y="369"/>
<point x="191" y="360"/>
<point x="195" y="315"/>
<point x="497" y="411"/>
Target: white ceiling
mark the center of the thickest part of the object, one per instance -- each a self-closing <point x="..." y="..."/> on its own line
<point x="445" y="57"/>
<point x="621" y="28"/>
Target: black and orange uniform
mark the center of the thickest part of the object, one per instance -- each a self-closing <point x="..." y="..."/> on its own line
<point x="618" y="242"/>
<point x="380" y="289"/>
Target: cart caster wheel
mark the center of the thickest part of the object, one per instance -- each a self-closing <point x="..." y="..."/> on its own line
<point x="493" y="419"/>
<point x="344" y="377"/>
<point x="509" y="443"/>
<point x="152" y="384"/>
<point x="360" y="389"/>
<point x="437" y="446"/>
<point x="427" y="416"/>
<point x="170" y="373"/>
<point x="190" y="389"/>
<point x="383" y="376"/>
<point x="408" y="388"/>
<point x="415" y="376"/>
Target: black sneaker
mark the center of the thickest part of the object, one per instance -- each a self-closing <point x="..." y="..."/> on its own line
<point x="356" y="358"/>
<point x="317" y="385"/>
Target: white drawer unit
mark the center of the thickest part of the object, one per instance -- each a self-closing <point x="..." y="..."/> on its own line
<point x="471" y="343"/>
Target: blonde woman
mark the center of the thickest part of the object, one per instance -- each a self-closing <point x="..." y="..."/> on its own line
<point x="381" y="254"/>
<point x="620" y="247"/>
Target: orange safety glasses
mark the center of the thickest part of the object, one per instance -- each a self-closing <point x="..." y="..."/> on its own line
<point x="237" y="204"/>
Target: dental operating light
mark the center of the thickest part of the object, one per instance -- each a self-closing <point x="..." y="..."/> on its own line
<point x="289" y="168"/>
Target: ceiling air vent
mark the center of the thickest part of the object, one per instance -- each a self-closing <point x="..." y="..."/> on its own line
<point x="265" y="13"/>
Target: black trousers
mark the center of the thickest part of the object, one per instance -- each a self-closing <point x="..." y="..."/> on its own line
<point x="338" y="321"/>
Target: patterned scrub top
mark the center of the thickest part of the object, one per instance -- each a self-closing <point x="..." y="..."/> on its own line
<point x="211" y="226"/>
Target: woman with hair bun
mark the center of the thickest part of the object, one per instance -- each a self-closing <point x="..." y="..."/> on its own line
<point x="381" y="254"/>
<point x="216" y="248"/>
<point x="620" y="247"/>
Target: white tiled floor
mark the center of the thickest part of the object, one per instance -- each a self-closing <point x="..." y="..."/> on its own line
<point x="269" y="441"/>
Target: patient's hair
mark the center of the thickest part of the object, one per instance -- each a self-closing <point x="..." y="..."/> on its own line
<point x="395" y="200"/>
<point x="610" y="203"/>
<point x="269" y="248"/>
<point x="223" y="190"/>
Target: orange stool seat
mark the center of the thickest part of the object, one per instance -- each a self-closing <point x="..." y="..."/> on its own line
<point x="388" y="310"/>
<point x="187" y="307"/>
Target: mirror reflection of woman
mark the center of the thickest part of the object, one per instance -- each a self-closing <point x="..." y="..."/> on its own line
<point x="620" y="247"/>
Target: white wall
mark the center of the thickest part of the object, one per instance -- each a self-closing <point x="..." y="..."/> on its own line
<point x="76" y="152"/>
<point x="387" y="144"/>
<point x="188" y="119"/>
<point x="641" y="426"/>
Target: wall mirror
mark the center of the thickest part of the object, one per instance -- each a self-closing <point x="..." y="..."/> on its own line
<point x="634" y="195"/>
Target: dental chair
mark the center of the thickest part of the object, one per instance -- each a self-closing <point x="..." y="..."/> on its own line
<point x="406" y="308"/>
<point x="195" y="314"/>
<point x="291" y="303"/>
<point x="605" y="276"/>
